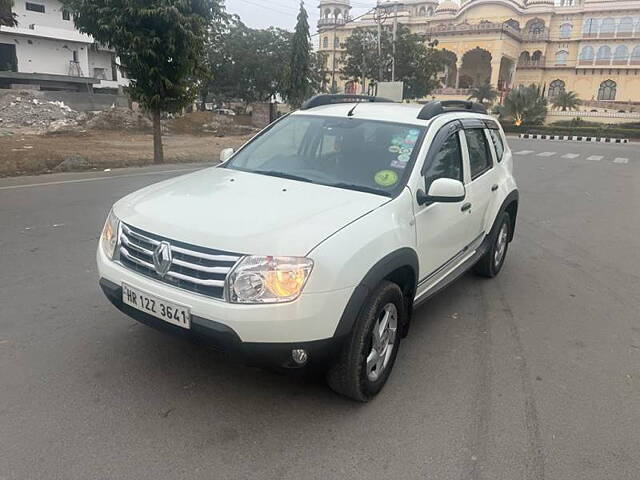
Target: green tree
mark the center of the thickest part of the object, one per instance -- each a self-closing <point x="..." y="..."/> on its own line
<point x="247" y="64"/>
<point x="416" y="63"/>
<point x="524" y="106"/>
<point x="7" y="17"/>
<point x="160" y="44"/>
<point x="566" y="101"/>
<point x="485" y="93"/>
<point x="299" y="85"/>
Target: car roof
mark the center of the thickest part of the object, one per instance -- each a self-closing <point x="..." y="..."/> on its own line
<point x="388" y="112"/>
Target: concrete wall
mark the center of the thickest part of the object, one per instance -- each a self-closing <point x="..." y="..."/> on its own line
<point x="600" y="117"/>
<point x="100" y="59"/>
<point x="52" y="17"/>
<point x="40" y="55"/>
<point x="85" y="102"/>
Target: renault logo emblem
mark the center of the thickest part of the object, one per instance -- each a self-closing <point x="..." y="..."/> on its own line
<point x="162" y="258"/>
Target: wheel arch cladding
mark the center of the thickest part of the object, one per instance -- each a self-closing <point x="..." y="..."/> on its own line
<point x="400" y="267"/>
<point x="509" y="205"/>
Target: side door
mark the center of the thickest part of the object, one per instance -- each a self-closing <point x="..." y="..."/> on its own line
<point x="442" y="229"/>
<point x="481" y="182"/>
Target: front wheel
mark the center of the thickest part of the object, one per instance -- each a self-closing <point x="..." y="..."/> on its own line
<point x="491" y="262"/>
<point x="368" y="355"/>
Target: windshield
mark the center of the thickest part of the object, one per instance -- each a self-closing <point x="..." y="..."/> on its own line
<point x="351" y="153"/>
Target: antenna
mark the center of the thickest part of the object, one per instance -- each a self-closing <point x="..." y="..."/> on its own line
<point x="350" y="114"/>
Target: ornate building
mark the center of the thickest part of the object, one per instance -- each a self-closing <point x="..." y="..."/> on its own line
<point x="591" y="47"/>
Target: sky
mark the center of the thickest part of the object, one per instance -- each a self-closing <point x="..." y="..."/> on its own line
<point x="283" y="13"/>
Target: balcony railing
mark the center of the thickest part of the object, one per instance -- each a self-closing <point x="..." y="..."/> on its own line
<point x="611" y="35"/>
<point x="462" y="28"/>
<point x="609" y="62"/>
<point x="538" y="63"/>
<point x="452" y="91"/>
<point x="538" y="36"/>
<point x="323" y="22"/>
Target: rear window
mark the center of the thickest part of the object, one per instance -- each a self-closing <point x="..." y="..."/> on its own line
<point x="497" y="143"/>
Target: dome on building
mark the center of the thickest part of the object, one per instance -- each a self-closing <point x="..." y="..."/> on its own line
<point x="447" y="7"/>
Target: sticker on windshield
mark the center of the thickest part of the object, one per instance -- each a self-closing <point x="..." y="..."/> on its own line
<point x="403" y="158"/>
<point x="386" y="178"/>
<point x="395" y="149"/>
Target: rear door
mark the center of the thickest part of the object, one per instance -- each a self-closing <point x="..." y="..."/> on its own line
<point x="481" y="181"/>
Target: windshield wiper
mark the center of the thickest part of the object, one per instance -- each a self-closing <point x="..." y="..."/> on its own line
<point x="360" y="188"/>
<point x="274" y="173"/>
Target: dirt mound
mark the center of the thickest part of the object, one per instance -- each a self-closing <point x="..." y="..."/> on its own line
<point x="206" y="123"/>
<point x="118" y="119"/>
<point x="25" y="109"/>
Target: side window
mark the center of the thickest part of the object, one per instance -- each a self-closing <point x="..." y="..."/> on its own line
<point x="497" y="142"/>
<point x="479" y="156"/>
<point x="447" y="163"/>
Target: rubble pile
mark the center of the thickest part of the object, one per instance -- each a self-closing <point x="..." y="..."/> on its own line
<point x="115" y="118"/>
<point x="25" y="109"/>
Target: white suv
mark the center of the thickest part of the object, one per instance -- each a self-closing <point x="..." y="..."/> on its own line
<point x="313" y="243"/>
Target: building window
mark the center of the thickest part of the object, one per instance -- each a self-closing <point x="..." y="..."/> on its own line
<point x="556" y="88"/>
<point x="565" y="30"/>
<point x="621" y="55"/>
<point x="65" y="14"/>
<point x="430" y="12"/>
<point x="604" y="54"/>
<point x="325" y="42"/>
<point x="635" y="55"/>
<point x="625" y="27"/>
<point x="35" y="7"/>
<point x="586" y="54"/>
<point x="422" y="12"/>
<point x="537" y="56"/>
<point x="513" y="24"/>
<point x="608" y="26"/>
<point x="607" y="90"/>
<point x="536" y="27"/>
<point x="99" y="73"/>
<point x="590" y="27"/>
<point x="336" y="42"/>
<point x="561" y="57"/>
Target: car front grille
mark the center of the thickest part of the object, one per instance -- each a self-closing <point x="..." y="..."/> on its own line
<point x="197" y="269"/>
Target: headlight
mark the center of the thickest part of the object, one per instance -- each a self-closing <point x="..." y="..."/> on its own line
<point x="109" y="237"/>
<point x="268" y="279"/>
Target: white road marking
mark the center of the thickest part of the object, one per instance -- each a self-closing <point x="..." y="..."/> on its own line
<point x="571" y="155"/>
<point x="96" y="179"/>
<point x="546" y="154"/>
<point x="523" y="152"/>
<point x="595" y="158"/>
<point x="621" y="160"/>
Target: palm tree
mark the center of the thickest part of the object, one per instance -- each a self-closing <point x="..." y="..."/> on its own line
<point x="484" y="93"/>
<point x="566" y="101"/>
<point x="524" y="105"/>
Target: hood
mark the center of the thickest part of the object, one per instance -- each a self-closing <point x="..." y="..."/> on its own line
<point x="244" y="212"/>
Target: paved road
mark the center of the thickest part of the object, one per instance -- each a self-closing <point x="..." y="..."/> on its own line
<point x="534" y="375"/>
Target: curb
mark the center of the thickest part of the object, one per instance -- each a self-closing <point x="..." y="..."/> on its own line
<point x="577" y="138"/>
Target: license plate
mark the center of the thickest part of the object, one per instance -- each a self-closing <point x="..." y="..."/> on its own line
<point x="167" y="311"/>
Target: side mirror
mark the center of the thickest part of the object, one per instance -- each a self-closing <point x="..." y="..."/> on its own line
<point x="226" y="154"/>
<point x="444" y="190"/>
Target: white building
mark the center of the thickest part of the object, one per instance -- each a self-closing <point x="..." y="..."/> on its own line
<point x="45" y="49"/>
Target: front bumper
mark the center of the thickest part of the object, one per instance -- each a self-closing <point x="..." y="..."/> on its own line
<point x="224" y="339"/>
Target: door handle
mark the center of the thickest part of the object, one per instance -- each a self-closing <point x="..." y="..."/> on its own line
<point x="466" y="207"/>
<point x="494" y="188"/>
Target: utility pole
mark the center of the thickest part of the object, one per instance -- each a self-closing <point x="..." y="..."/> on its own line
<point x="364" y="62"/>
<point x="395" y="34"/>
<point x="380" y="16"/>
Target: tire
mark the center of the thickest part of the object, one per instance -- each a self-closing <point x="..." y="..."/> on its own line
<point x="360" y="373"/>
<point x="491" y="262"/>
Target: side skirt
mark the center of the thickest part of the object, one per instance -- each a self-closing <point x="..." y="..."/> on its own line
<point x="454" y="274"/>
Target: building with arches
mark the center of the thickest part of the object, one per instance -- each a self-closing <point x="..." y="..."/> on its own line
<point x="591" y="47"/>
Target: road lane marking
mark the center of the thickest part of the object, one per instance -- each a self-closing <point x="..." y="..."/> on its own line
<point x="546" y="154"/>
<point x="595" y="158"/>
<point x="571" y="155"/>
<point x="621" y="160"/>
<point x="523" y="152"/>
<point x="95" y="179"/>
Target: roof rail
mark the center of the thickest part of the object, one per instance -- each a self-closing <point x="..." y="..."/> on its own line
<point x="324" y="99"/>
<point x="439" y="107"/>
